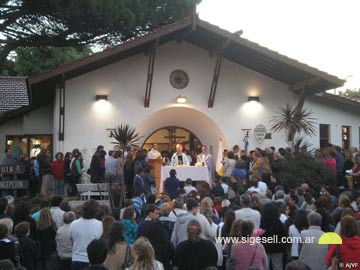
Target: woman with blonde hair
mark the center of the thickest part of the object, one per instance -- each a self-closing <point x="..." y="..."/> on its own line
<point x="145" y="256"/>
<point x="46" y="233"/>
<point x="195" y="253"/>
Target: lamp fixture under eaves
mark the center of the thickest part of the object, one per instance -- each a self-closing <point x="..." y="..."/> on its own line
<point x="254" y="98"/>
<point x="101" y="97"/>
<point x="181" y="99"/>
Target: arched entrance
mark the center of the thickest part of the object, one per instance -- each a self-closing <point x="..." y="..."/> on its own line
<point x="190" y="119"/>
<point x="167" y="137"/>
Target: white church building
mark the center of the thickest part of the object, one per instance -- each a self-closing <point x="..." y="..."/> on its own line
<point x="188" y="82"/>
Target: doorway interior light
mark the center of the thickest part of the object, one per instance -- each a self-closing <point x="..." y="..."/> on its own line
<point x="254" y="98"/>
<point x="101" y="97"/>
<point x="181" y="99"/>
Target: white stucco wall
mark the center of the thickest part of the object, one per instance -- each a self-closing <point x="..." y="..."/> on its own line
<point x="124" y="82"/>
<point x="39" y="121"/>
<point x="336" y="118"/>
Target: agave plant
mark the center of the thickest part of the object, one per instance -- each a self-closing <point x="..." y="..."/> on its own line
<point x="125" y="136"/>
<point x="292" y="121"/>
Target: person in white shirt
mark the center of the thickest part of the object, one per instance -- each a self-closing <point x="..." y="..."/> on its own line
<point x="63" y="241"/>
<point x="179" y="158"/>
<point x="111" y="164"/>
<point x="56" y="213"/>
<point x="189" y="187"/>
<point x="153" y="153"/>
<point x="246" y="213"/>
<point x="82" y="232"/>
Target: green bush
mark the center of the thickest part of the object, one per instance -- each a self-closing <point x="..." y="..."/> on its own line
<point x="299" y="169"/>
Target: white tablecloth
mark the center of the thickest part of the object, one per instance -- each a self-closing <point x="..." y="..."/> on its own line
<point x="184" y="172"/>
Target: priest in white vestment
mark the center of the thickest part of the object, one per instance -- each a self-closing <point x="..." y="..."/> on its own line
<point x="205" y="158"/>
<point x="179" y="158"/>
<point x="153" y="153"/>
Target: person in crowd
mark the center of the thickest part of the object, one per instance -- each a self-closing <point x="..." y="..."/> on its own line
<point x="129" y="175"/>
<point x="300" y="224"/>
<point x="152" y="214"/>
<point x="67" y="176"/>
<point x="8" y="159"/>
<point x="138" y="202"/>
<point x="188" y="187"/>
<point x="159" y="239"/>
<point x="344" y="202"/>
<point x="177" y="209"/>
<point x="330" y="163"/>
<point x="63" y="242"/>
<point x="297" y="265"/>
<point x="130" y="225"/>
<point x="180" y="229"/>
<point x="257" y="165"/>
<point x="240" y="172"/>
<point x="172" y="185"/>
<point x="97" y="165"/>
<point x="346" y="212"/>
<point x="3" y="207"/>
<point x="229" y="166"/>
<point x="154" y="153"/>
<point x="195" y="253"/>
<point x="75" y="171"/>
<point x="179" y="158"/>
<point x="145" y="256"/>
<point x="116" y="255"/>
<point x="270" y="222"/>
<point x="246" y="254"/>
<point x="29" y="248"/>
<point x="81" y="238"/>
<point x="217" y="189"/>
<point x="56" y="212"/>
<point x="58" y="170"/>
<point x="7" y="265"/>
<point x="205" y="158"/>
<point x="348" y="251"/>
<point x="46" y="233"/>
<point x="355" y="175"/>
<point x="246" y="213"/>
<point x="311" y="252"/>
<point x="96" y="252"/>
<point x="308" y="204"/>
<point x="9" y="249"/>
<point x="22" y="213"/>
<point x="167" y="222"/>
<point x="46" y="172"/>
<point x="139" y="185"/>
<point x="107" y="221"/>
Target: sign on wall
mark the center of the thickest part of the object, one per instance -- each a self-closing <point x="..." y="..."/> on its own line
<point x="260" y="133"/>
<point x="13" y="170"/>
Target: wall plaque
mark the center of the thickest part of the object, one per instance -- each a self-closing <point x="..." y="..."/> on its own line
<point x="260" y="133"/>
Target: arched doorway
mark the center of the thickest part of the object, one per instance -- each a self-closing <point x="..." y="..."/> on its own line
<point x="190" y="119"/>
<point x="167" y="137"/>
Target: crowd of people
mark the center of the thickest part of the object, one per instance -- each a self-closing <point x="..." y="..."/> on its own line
<point x="190" y="226"/>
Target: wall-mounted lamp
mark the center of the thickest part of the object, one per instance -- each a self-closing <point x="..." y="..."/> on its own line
<point x="254" y="98"/>
<point x="181" y="99"/>
<point x="101" y="97"/>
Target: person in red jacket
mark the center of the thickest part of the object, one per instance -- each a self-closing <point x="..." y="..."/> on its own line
<point x="59" y="174"/>
<point x="346" y="254"/>
<point x="330" y="163"/>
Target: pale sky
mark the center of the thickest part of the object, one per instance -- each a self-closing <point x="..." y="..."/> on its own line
<point x="324" y="34"/>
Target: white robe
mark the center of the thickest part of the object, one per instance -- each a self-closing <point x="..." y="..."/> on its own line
<point x="153" y="154"/>
<point x="175" y="161"/>
<point x="207" y="159"/>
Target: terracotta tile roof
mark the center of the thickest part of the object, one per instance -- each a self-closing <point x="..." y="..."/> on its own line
<point x="13" y="93"/>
